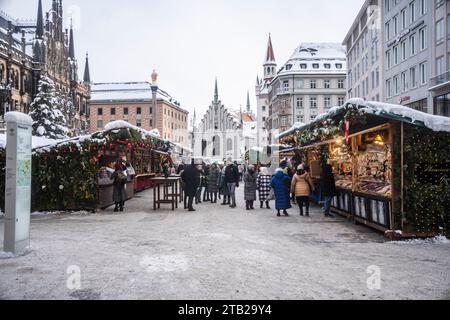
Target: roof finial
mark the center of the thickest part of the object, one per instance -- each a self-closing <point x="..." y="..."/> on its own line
<point x="216" y="93"/>
<point x="270" y="56"/>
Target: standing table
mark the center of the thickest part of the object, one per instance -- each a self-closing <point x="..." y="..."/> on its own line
<point x="166" y="191"/>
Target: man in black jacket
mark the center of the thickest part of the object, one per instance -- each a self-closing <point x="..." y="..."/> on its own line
<point x="328" y="188"/>
<point x="232" y="181"/>
<point x="190" y="177"/>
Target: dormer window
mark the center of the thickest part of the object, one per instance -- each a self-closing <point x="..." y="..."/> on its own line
<point x="303" y="66"/>
<point x="315" y="66"/>
<point x="327" y="66"/>
<point x="288" y="67"/>
<point x="338" y="65"/>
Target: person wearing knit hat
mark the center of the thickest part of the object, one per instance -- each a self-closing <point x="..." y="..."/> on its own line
<point x="263" y="187"/>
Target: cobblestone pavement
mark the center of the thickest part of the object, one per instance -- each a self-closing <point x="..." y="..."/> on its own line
<point x="218" y="253"/>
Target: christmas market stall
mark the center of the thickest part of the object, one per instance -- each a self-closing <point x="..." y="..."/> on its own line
<point x="76" y="173"/>
<point x="391" y="165"/>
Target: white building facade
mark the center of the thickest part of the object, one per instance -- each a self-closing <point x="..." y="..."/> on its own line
<point x="365" y="55"/>
<point x="311" y="82"/>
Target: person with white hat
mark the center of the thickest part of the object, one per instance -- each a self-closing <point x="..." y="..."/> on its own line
<point x="250" y="187"/>
<point x="302" y="186"/>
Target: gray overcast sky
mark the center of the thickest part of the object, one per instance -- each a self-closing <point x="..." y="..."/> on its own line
<point x="190" y="42"/>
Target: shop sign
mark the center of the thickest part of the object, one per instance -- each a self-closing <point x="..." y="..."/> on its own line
<point x="435" y="173"/>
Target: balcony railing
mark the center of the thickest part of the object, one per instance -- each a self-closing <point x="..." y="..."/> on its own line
<point x="440" y="79"/>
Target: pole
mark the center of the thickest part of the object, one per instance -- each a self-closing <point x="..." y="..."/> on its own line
<point x="18" y="182"/>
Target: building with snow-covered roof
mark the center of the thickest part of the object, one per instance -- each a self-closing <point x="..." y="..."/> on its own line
<point x="308" y="84"/>
<point x="224" y="133"/>
<point x="135" y="102"/>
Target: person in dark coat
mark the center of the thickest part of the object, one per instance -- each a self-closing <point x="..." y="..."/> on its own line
<point x="263" y="186"/>
<point x="328" y="188"/>
<point x="180" y="168"/>
<point x="190" y="177"/>
<point x="120" y="179"/>
<point x="206" y="197"/>
<point x="201" y="184"/>
<point x="223" y="188"/>
<point x="281" y="183"/>
<point x="213" y="179"/>
<point x="250" y="187"/>
<point x="232" y="181"/>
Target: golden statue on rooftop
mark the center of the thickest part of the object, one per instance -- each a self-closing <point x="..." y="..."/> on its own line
<point x="154" y="77"/>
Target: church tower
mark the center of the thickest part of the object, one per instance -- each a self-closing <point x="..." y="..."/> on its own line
<point x="270" y="65"/>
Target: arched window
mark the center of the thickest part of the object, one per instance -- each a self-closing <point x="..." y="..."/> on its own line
<point x="216" y="146"/>
<point x="229" y="144"/>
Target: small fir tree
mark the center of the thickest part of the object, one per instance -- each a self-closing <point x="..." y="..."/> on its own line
<point x="47" y="112"/>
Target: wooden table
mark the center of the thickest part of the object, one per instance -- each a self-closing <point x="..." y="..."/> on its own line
<point x="171" y="191"/>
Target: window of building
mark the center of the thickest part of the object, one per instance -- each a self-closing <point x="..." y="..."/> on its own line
<point x="412" y="44"/>
<point x="388" y="88"/>
<point x="99" y="124"/>
<point x="303" y="66"/>
<point x="299" y="103"/>
<point x="300" y="118"/>
<point x="151" y="110"/>
<point x="404" y="84"/>
<point x="327" y="66"/>
<point x="285" y="86"/>
<point x="151" y="123"/>
<point x="125" y="111"/>
<point x="315" y="66"/>
<point x="326" y="84"/>
<point x="448" y="27"/>
<point x="263" y="108"/>
<point x="440" y="30"/>
<point x="396" y="85"/>
<point x="288" y="67"/>
<point x="113" y="111"/>
<point x="138" y="123"/>
<point x="341" y="101"/>
<point x="412" y="77"/>
<point x="439" y="66"/>
<point x="387" y="5"/>
<point x="395" y="54"/>
<point x="338" y="65"/>
<point x="138" y="110"/>
<point x="100" y="111"/>
<point x="313" y="84"/>
<point x="395" y="22"/>
<point x="284" y="121"/>
<point x="313" y="102"/>
<point x="423" y="73"/>
<point x="404" y="19"/>
<point x="423" y="7"/>
<point x="388" y="59"/>
<point x="327" y="102"/>
<point x="403" y="46"/>
<point x="340" y="84"/>
<point x="412" y="11"/>
<point x="299" y="84"/>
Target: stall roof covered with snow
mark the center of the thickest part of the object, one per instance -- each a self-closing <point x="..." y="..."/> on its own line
<point x="377" y="110"/>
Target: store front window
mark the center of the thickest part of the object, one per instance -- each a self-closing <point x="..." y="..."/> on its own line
<point x="441" y="105"/>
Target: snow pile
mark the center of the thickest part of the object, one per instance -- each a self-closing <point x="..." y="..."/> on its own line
<point x="37" y="142"/>
<point x="435" y="123"/>
<point x="436" y="240"/>
<point x="18" y="117"/>
<point x="120" y="124"/>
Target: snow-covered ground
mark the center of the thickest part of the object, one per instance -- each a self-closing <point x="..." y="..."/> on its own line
<point x="218" y="253"/>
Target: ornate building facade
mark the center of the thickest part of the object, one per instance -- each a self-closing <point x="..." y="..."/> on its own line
<point x="29" y="49"/>
<point x="224" y="133"/>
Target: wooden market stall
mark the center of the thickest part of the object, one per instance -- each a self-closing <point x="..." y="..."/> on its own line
<point x="76" y="173"/>
<point x="367" y="144"/>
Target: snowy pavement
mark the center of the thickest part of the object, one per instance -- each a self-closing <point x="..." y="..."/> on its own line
<point x="218" y="253"/>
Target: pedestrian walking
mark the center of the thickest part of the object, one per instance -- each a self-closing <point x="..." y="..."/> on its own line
<point x="281" y="184"/>
<point x="223" y="187"/>
<point x="232" y="181"/>
<point x="120" y="178"/>
<point x="201" y="184"/>
<point x="241" y="170"/>
<point x="263" y="186"/>
<point x="190" y="177"/>
<point x="250" y="187"/>
<point x="302" y="186"/>
<point x="328" y="188"/>
<point x="213" y="179"/>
